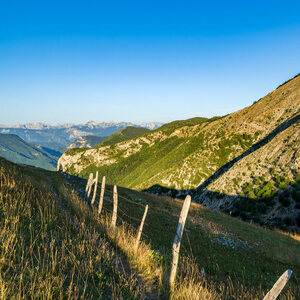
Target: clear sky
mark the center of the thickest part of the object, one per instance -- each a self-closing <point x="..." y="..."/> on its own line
<point x="75" y="61"/>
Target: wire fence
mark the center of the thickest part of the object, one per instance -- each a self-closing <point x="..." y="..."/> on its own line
<point x="127" y="218"/>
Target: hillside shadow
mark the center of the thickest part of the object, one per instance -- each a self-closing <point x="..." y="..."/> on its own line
<point x="158" y="189"/>
<point x="254" y="210"/>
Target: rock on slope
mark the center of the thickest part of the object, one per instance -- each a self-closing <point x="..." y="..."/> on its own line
<point x="88" y="141"/>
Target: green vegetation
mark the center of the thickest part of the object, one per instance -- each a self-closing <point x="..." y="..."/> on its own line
<point x="74" y="151"/>
<point x="122" y="135"/>
<point x="170" y="127"/>
<point x="167" y="156"/>
<point x="260" y="197"/>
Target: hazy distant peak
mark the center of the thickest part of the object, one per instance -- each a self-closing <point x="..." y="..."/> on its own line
<point x="89" y="124"/>
<point x="33" y="125"/>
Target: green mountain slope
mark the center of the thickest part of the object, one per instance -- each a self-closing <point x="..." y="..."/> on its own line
<point x="15" y="149"/>
<point x="184" y="157"/>
<point x="127" y="133"/>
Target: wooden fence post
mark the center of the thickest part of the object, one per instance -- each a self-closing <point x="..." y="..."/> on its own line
<point x="101" y="196"/>
<point x="278" y="286"/>
<point x="178" y="236"/>
<point x="141" y="228"/>
<point x="115" y="209"/>
<point x="88" y="186"/>
<point x="95" y="189"/>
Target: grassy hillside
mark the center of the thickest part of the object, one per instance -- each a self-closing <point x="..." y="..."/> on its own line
<point x="53" y="247"/>
<point x="44" y="253"/>
<point x="15" y="149"/>
<point x="127" y="133"/>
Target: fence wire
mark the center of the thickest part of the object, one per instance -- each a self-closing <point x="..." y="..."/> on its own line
<point x="121" y="211"/>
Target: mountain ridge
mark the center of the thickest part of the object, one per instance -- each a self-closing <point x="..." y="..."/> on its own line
<point x="15" y="149"/>
<point x="182" y="155"/>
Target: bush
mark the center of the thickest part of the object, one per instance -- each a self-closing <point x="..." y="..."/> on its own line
<point x="284" y="184"/>
<point x="298" y="220"/>
<point x="252" y="195"/>
<point x="262" y="208"/>
<point x="287" y="221"/>
<point x="296" y="196"/>
<point x="284" y="200"/>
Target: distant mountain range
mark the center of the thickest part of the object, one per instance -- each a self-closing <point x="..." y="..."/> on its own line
<point x="17" y="150"/>
<point x="59" y="136"/>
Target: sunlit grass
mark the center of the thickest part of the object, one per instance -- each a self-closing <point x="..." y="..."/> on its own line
<point x="42" y="254"/>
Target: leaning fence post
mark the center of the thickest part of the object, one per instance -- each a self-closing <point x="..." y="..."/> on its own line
<point x="278" y="286"/>
<point x="88" y="186"/>
<point x="95" y="189"/>
<point x="101" y="196"/>
<point x="115" y="209"/>
<point x="141" y="228"/>
<point x="178" y="236"/>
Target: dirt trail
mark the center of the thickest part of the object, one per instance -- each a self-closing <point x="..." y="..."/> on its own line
<point x="146" y="290"/>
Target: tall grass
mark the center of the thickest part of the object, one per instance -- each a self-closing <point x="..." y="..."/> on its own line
<point x="149" y="265"/>
<point x="43" y="255"/>
<point x="191" y="284"/>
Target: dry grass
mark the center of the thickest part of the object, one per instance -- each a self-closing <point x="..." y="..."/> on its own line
<point x="153" y="266"/>
<point x="43" y="255"/>
<point x="295" y="236"/>
<point x="148" y="264"/>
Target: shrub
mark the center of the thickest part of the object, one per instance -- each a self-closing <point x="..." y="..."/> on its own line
<point x="252" y="195"/>
<point x="287" y="221"/>
<point x="285" y="201"/>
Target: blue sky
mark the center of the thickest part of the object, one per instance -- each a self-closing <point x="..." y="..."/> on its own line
<point x="75" y="61"/>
